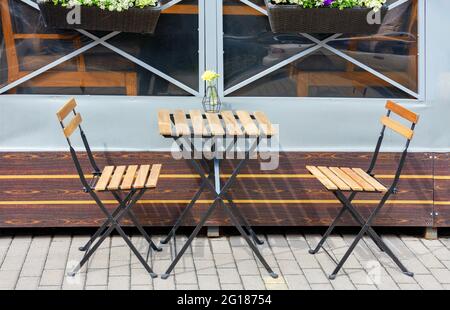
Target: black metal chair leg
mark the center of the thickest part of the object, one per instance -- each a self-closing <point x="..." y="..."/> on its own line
<point x="142" y="231"/>
<point x="183" y="214"/>
<point x="354" y="213"/>
<point x="347" y="254"/>
<point x="101" y="230"/>
<point x="91" y="251"/>
<point x="243" y="220"/>
<point x="328" y="232"/>
<point x="97" y="234"/>
<point x="136" y="252"/>
<point x="189" y="241"/>
<point x="249" y="242"/>
<point x="389" y="252"/>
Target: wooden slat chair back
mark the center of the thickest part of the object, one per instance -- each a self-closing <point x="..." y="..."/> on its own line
<point x="354" y="180"/>
<point x="132" y="180"/>
<point x="79" y="78"/>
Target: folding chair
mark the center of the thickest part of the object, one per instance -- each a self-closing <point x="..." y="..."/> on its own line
<point x="355" y="180"/>
<point x="132" y="181"/>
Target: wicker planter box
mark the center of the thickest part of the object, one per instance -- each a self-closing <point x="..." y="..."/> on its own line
<point x="285" y="18"/>
<point x="93" y="18"/>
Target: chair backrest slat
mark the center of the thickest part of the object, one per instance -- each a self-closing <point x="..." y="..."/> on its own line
<point x="66" y="109"/>
<point x="402" y="112"/>
<point x="397" y="127"/>
<point x="74" y="123"/>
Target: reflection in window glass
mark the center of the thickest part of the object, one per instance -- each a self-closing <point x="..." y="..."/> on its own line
<point x="26" y="45"/>
<point x="250" y="48"/>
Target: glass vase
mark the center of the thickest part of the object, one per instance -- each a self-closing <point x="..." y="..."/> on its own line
<point x="211" y="101"/>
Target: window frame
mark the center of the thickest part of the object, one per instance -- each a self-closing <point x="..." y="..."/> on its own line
<point x="419" y="96"/>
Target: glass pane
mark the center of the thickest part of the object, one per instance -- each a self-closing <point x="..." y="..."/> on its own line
<point x="320" y="74"/>
<point x="26" y="45"/>
<point x="392" y="52"/>
<point x="173" y="49"/>
<point x="250" y="47"/>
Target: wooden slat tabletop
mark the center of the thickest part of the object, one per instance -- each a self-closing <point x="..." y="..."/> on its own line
<point x="194" y="122"/>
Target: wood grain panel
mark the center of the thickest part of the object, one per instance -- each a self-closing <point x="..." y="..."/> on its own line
<point x="441" y="190"/>
<point x="288" y="196"/>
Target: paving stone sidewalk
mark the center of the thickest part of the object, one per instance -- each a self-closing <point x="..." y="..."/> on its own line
<point x="41" y="262"/>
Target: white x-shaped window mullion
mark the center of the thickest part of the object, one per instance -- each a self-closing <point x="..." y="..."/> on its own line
<point x="101" y="41"/>
<point x="320" y="44"/>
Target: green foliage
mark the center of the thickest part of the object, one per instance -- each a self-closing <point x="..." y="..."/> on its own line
<point x="111" y="5"/>
<point x="341" y="4"/>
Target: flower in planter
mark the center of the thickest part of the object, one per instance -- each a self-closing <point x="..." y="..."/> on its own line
<point x="111" y="5"/>
<point x="341" y="4"/>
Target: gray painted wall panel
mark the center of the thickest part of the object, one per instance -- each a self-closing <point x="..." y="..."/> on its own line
<point x="124" y="123"/>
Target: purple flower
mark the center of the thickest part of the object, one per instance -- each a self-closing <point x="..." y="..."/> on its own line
<point x="327" y="2"/>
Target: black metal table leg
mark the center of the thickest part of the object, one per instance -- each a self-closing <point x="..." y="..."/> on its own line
<point x="183" y="214"/>
<point x="220" y="192"/>
<point x="189" y="241"/>
<point x="243" y="220"/>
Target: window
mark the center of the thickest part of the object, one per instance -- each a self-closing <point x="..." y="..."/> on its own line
<point x="163" y="64"/>
<point x="253" y="61"/>
<point x="258" y="62"/>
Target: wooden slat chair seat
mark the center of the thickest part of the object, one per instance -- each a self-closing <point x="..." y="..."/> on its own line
<point x="128" y="177"/>
<point x="132" y="180"/>
<point x="346" y="179"/>
<point x="339" y="180"/>
<point x="199" y="124"/>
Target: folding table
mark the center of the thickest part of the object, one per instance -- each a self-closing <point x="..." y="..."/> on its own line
<point x="205" y="139"/>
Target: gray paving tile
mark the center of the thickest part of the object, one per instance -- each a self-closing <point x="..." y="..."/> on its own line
<point x="205" y="267"/>
<point x="8" y="279"/>
<point x="52" y="277"/>
<point x="428" y="282"/>
<point x="253" y="282"/>
<point x="408" y="287"/>
<point x="235" y="287"/>
<point x="142" y="287"/>
<point x="220" y="246"/>
<point x="247" y="267"/>
<point x="442" y="275"/>
<point x="343" y="282"/>
<point x="140" y="277"/>
<point x="316" y="276"/>
<point x="208" y="282"/>
<point x="187" y="287"/>
<point x="186" y="277"/>
<point x="96" y="287"/>
<point x="229" y="276"/>
<point x="297" y="282"/>
<point x="168" y="284"/>
<point x="224" y="263"/>
<point x="16" y="254"/>
<point x="366" y="287"/>
<point x="36" y="257"/>
<point x="321" y="287"/>
<point x="289" y="267"/>
<point x="57" y="255"/>
<point x="119" y="283"/>
<point x="96" y="277"/>
<point x="28" y="283"/>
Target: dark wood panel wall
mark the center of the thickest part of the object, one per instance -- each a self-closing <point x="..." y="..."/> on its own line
<point x="43" y="190"/>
